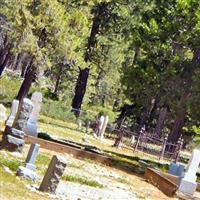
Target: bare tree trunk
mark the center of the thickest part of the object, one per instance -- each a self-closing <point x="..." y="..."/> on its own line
<point x="58" y="79"/>
<point x="27" y="82"/>
<point x="161" y="121"/>
<point x="80" y="90"/>
<point x="179" y="120"/>
<point x="5" y="61"/>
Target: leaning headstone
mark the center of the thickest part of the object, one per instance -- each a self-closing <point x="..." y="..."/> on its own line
<point x="105" y="123"/>
<point x="53" y="175"/>
<point x="14" y="109"/>
<point x="32" y="124"/>
<point x="23" y="115"/>
<point x="188" y="184"/>
<point x="28" y="171"/>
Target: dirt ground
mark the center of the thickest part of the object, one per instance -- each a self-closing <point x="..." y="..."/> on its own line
<point x="123" y="185"/>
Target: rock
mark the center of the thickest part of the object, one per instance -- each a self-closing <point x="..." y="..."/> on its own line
<point x="6" y="169"/>
<point x="27" y="173"/>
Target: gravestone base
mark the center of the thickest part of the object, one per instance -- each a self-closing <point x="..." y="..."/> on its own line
<point x="27" y="173"/>
<point x="13" y="144"/>
<point x="187" y="187"/>
<point x="30" y="166"/>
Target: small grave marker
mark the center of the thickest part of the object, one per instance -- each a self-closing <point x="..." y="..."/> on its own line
<point x="53" y="175"/>
<point x="29" y="171"/>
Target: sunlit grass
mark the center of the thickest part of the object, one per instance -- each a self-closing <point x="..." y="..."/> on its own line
<point x="83" y="181"/>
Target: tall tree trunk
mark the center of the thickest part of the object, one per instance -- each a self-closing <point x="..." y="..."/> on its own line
<point x="80" y="90"/>
<point x="94" y="97"/>
<point x="29" y="78"/>
<point x="58" y="79"/>
<point x="179" y="120"/>
<point x="153" y="108"/>
<point x="161" y="121"/>
<point x="5" y="61"/>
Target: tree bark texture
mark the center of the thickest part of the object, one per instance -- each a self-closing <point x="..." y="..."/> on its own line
<point x="29" y="78"/>
<point x="179" y="120"/>
<point x="80" y="90"/>
<point x="161" y="121"/>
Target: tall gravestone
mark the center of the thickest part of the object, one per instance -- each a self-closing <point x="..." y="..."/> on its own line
<point x="53" y="175"/>
<point x="32" y="124"/>
<point x="29" y="170"/>
<point x="14" y="109"/>
<point x="105" y="123"/>
<point x="101" y="121"/>
<point x="23" y="115"/>
<point x="188" y="184"/>
<point x="13" y="138"/>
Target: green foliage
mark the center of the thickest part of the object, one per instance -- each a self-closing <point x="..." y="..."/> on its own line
<point x="8" y="88"/>
<point x="12" y="164"/>
<point x="83" y="181"/>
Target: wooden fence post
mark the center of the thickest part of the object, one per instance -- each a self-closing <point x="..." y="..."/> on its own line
<point x="163" y="148"/>
<point x="180" y="144"/>
<point x="137" y="143"/>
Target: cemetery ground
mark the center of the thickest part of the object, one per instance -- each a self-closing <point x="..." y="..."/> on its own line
<point x="83" y="178"/>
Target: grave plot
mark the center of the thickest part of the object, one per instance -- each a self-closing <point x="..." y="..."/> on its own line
<point x="82" y="179"/>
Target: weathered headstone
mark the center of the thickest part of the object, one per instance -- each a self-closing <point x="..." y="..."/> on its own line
<point x="3" y="116"/>
<point x="23" y="115"/>
<point x="13" y="140"/>
<point x="32" y="155"/>
<point x="105" y="123"/>
<point x="101" y="121"/>
<point x="29" y="170"/>
<point x="53" y="175"/>
<point x="14" y="109"/>
<point x="188" y="184"/>
<point x="32" y="124"/>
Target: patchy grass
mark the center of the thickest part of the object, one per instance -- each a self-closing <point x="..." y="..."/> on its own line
<point x="83" y="181"/>
<point x="12" y="164"/>
<point x="124" y="158"/>
<point x="42" y="162"/>
<point x="11" y="187"/>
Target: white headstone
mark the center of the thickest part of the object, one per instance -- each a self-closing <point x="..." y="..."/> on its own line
<point x="14" y="109"/>
<point x="188" y="184"/>
<point x="32" y="124"/>
<point x="28" y="172"/>
<point x="32" y="155"/>
<point x="3" y="115"/>
<point x="105" y="123"/>
<point x="101" y="120"/>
